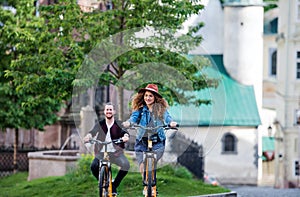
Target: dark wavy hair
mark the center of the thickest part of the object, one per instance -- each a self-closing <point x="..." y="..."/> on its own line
<point x="159" y="107"/>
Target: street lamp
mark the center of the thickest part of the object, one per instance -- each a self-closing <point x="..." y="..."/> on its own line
<point x="270" y="129"/>
<point x="280" y="163"/>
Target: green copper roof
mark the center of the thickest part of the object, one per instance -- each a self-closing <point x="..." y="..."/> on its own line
<point x="232" y="103"/>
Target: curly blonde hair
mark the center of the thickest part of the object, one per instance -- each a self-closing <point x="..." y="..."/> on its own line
<point x="159" y="107"/>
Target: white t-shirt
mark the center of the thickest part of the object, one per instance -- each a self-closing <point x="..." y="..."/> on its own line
<point x="110" y="147"/>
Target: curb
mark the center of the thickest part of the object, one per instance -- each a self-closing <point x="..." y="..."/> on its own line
<point x="229" y="194"/>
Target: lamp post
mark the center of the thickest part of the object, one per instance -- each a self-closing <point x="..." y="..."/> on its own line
<point x="270" y="131"/>
<point x="279" y="154"/>
<point x="270" y="134"/>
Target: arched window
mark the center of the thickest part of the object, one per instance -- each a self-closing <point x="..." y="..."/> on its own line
<point x="229" y="144"/>
<point x="272" y="62"/>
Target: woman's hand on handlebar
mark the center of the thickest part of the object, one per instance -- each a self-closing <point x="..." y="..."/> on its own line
<point x="126" y="124"/>
<point x="173" y="124"/>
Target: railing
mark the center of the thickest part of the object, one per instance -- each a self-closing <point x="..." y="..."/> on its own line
<point x="7" y="157"/>
<point x="190" y="154"/>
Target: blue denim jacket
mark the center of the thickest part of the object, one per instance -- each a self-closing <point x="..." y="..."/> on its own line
<point x="145" y="118"/>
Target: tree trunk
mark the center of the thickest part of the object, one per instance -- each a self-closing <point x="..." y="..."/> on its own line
<point x="15" y="162"/>
<point x="120" y="103"/>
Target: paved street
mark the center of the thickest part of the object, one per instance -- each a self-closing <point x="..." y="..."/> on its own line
<point x="251" y="191"/>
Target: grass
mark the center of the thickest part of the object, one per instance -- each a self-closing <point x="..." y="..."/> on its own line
<point x="173" y="181"/>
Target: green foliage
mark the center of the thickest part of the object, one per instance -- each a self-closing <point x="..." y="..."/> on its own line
<point x="116" y="30"/>
<point x="40" y="56"/>
<point x="83" y="167"/>
<point x="270" y="4"/>
<point x="176" y="170"/>
<point x="55" y="45"/>
<point x="86" y="185"/>
<point x="39" y="67"/>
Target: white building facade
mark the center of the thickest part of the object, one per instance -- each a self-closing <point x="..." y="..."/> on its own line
<point x="270" y="62"/>
<point x="233" y="38"/>
<point x="288" y="94"/>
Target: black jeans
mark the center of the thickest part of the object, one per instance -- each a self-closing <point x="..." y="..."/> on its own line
<point x="119" y="160"/>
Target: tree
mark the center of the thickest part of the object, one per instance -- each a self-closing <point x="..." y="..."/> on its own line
<point x="114" y="39"/>
<point x="88" y="31"/>
<point x="41" y="56"/>
<point x="38" y="70"/>
<point x="74" y="38"/>
<point x="270" y="4"/>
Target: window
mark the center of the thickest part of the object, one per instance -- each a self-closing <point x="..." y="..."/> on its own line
<point x="37" y="5"/>
<point x="297" y="168"/>
<point x="109" y="5"/>
<point x="274" y="25"/>
<point x="229" y="144"/>
<point x="271" y="27"/>
<point x="297" y="117"/>
<point x="298" y="70"/>
<point x="298" y="65"/>
<point x="273" y="62"/>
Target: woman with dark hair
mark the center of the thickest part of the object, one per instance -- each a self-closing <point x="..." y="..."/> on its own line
<point x="149" y="109"/>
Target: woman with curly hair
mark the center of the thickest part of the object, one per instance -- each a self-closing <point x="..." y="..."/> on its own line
<point x="149" y="109"/>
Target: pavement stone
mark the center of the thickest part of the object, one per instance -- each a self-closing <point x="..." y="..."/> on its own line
<point x="255" y="191"/>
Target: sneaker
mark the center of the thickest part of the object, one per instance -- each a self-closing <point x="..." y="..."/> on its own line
<point x="153" y="191"/>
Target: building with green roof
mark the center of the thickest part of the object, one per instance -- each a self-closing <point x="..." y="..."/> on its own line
<point x="233" y="104"/>
<point x="229" y="127"/>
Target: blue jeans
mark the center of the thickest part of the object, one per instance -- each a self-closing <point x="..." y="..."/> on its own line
<point x="141" y="146"/>
<point x="120" y="161"/>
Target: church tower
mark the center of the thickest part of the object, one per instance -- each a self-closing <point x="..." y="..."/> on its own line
<point x="243" y="43"/>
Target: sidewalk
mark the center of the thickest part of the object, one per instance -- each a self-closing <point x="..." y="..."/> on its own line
<point x="229" y="194"/>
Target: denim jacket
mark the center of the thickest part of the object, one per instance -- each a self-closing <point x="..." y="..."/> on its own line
<point x="145" y="119"/>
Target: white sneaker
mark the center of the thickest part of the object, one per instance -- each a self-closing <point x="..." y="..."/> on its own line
<point x="145" y="190"/>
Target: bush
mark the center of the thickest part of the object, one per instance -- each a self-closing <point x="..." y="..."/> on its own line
<point x="84" y="163"/>
<point x="182" y="172"/>
<point x="83" y="169"/>
<point x="176" y="170"/>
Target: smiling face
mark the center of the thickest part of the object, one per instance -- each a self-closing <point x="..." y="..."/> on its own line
<point x="109" y="111"/>
<point x="149" y="98"/>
